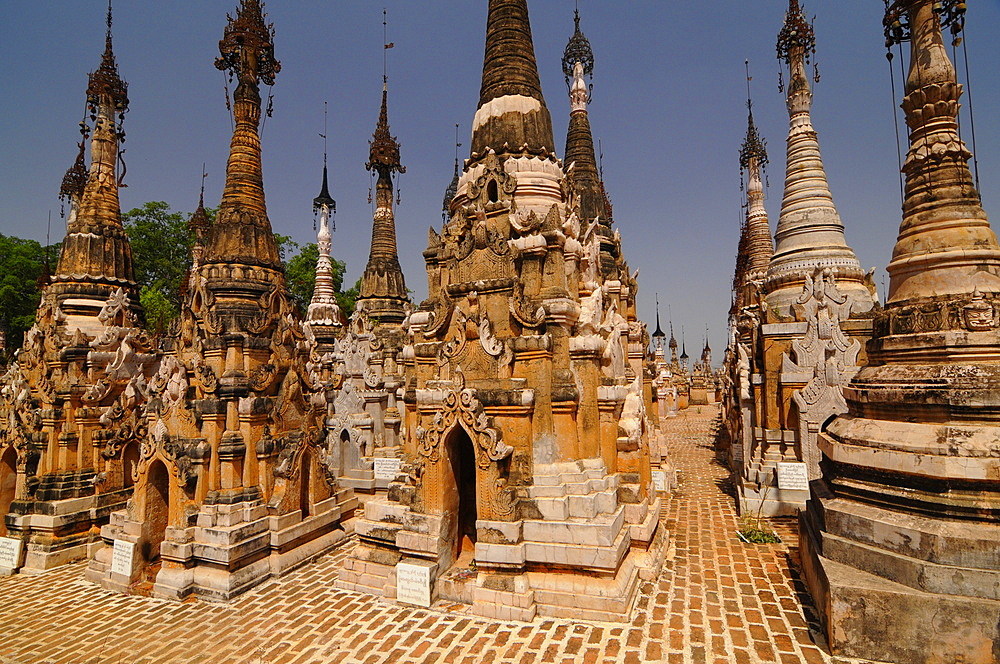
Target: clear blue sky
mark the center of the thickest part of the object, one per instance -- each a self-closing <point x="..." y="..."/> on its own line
<point x="669" y="94"/>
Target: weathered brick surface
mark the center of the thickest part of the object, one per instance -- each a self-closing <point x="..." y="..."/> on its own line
<point x="717" y="600"/>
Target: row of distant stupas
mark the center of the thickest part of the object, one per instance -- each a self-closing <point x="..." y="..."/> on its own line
<point x="502" y="429"/>
<point x="889" y="413"/>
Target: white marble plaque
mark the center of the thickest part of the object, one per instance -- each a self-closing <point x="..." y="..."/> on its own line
<point x="660" y="480"/>
<point x="121" y="558"/>
<point x="387" y="469"/>
<point x="413" y="583"/>
<point x="10" y="552"/>
<point x="793" y="476"/>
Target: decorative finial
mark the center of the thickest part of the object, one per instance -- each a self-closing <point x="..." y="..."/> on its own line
<point x="578" y="51"/>
<point x="105" y="83"/>
<point x="659" y="335"/>
<point x="324" y="198"/>
<point x="204" y="174"/>
<point x="754" y="147"/>
<point x="896" y="22"/>
<point x="247" y="46"/>
<point x="452" y="190"/>
<point x="796" y="39"/>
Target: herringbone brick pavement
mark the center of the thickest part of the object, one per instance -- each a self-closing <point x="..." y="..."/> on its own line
<point x="718" y="601"/>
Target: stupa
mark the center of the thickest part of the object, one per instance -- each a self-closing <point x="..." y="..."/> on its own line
<point x="232" y="486"/>
<point x="525" y="487"/>
<point x="816" y="310"/>
<point x="70" y="429"/>
<point x="900" y="538"/>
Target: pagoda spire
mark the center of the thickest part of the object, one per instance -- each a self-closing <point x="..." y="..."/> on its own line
<point x="658" y="335"/>
<point x="753" y="160"/>
<point x="512" y="112"/>
<point x="96" y="258"/>
<point x="810" y="233"/>
<point x="323" y="309"/>
<point x="452" y="190"/>
<point x="242" y="231"/>
<point x="945" y="244"/>
<point x="578" y="70"/>
<point x="382" y="295"/>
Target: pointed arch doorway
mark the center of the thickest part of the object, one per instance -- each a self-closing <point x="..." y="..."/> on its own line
<point x="461" y="495"/>
<point x="8" y="484"/>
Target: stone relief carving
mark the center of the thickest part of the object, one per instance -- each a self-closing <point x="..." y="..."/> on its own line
<point x="827" y="354"/>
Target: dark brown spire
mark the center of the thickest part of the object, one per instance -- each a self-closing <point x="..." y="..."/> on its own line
<point x="509" y="67"/>
<point x="383" y="290"/>
<point x="242" y="232"/>
<point x="510" y="70"/>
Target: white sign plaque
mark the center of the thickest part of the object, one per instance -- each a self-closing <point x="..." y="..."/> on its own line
<point x="387" y="469"/>
<point x="121" y="558"/>
<point x="10" y="552"/>
<point x="793" y="476"/>
<point x="413" y="583"/>
<point x="660" y="480"/>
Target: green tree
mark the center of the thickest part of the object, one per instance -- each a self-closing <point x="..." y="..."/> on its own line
<point x="22" y="263"/>
<point x="161" y="255"/>
<point x="300" y="271"/>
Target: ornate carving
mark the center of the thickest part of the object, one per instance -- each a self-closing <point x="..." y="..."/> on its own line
<point x="462" y="408"/>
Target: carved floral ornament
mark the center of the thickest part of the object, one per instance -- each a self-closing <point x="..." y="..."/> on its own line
<point x="494" y="186"/>
<point x="462" y="408"/>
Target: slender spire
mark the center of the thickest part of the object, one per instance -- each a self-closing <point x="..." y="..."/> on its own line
<point x="512" y="110"/>
<point x="323" y="313"/>
<point x="658" y="335"/>
<point x="578" y="68"/>
<point x="324" y="198"/>
<point x="96" y="249"/>
<point x="753" y="160"/>
<point x="945" y="244"/>
<point x="242" y="232"/>
<point x="452" y="190"/>
<point x="382" y="294"/>
<point x="810" y="233"/>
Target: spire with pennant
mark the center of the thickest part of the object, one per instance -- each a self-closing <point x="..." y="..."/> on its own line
<point x="382" y="295"/>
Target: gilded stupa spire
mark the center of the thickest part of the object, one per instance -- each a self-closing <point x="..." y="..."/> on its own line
<point x="96" y="249"/>
<point x="382" y="295"/>
<point x="810" y="234"/>
<point x="242" y="232"/>
<point x="578" y="70"/>
<point x="512" y="112"/>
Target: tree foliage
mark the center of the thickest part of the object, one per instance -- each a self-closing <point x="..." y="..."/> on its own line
<point x="161" y="254"/>
<point x="22" y="263"/>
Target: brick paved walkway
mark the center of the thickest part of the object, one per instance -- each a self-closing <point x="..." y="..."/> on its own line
<point x="718" y="601"/>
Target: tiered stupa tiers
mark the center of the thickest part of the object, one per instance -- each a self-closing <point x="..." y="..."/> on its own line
<point x="233" y="484"/>
<point x="382" y="297"/>
<point x="810" y="234"/>
<point x="905" y="521"/>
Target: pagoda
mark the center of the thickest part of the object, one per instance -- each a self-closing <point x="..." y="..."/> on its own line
<point x="363" y="418"/>
<point x="817" y="304"/>
<point x="525" y="487"/>
<point x="900" y="537"/>
<point x="71" y="429"/>
<point x="232" y="481"/>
